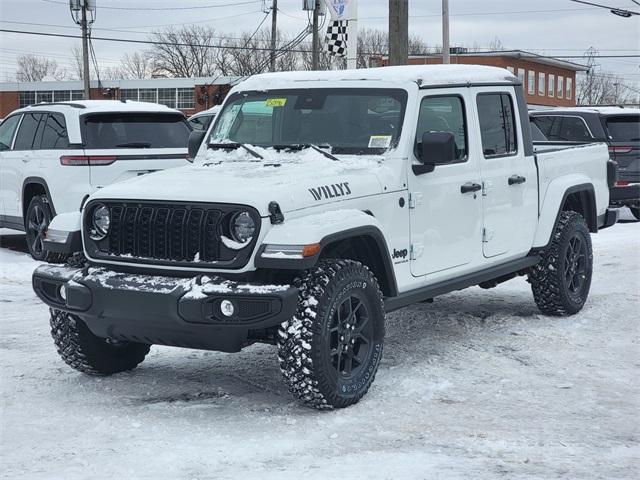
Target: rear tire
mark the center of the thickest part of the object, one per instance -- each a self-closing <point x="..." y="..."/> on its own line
<point x="37" y="220"/>
<point x="88" y="353"/>
<point x="561" y="281"/>
<point x="330" y="350"/>
<point x="635" y="211"/>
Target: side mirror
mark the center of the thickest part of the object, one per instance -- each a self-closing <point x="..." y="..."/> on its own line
<point x="436" y="148"/>
<point x="195" y="140"/>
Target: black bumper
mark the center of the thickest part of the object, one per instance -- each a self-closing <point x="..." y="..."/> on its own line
<point x="165" y="310"/>
<point x="628" y="195"/>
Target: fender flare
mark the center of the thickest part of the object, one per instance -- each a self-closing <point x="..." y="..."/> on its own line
<point x="36" y="181"/>
<point x="364" y="225"/>
<point x="545" y="230"/>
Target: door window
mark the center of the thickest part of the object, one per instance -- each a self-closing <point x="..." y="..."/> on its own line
<point x="55" y="135"/>
<point x="444" y="114"/>
<point x="27" y="132"/>
<point x="7" y="129"/>
<point x="497" y="124"/>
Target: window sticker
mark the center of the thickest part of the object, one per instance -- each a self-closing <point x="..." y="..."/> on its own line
<point x="276" y="102"/>
<point x="379" y="141"/>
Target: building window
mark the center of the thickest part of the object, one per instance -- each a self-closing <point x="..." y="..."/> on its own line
<point x="27" y="98"/>
<point x="77" y="95"/>
<point x="129" y="94"/>
<point x="511" y="69"/>
<point x="521" y="75"/>
<point x="61" y="95"/>
<point x="542" y="84"/>
<point x="44" y="97"/>
<point x="148" y="95"/>
<point x="552" y="85"/>
<point x="185" y="98"/>
<point x="560" y="86"/>
<point x="531" y="83"/>
<point x="569" y="90"/>
<point x="167" y="96"/>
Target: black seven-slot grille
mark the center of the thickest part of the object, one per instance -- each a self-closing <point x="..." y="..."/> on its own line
<point x="159" y="233"/>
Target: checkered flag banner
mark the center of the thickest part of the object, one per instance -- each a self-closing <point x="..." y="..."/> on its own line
<point x="337" y="38"/>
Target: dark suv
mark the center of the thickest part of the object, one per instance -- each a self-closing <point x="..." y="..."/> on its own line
<point x="617" y="127"/>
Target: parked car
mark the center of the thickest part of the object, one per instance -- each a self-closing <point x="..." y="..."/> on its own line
<point x="53" y="155"/>
<point x="618" y="127"/>
<point x="320" y="201"/>
<point x="202" y="120"/>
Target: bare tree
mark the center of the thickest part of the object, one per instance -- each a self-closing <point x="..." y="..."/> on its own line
<point x="136" y="65"/>
<point x="601" y="88"/>
<point x="184" y="52"/>
<point x="32" y="68"/>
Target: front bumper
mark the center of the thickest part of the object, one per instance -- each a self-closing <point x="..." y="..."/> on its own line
<point x="165" y="310"/>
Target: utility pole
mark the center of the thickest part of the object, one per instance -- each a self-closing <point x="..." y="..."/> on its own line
<point x="80" y="11"/>
<point x="446" y="47"/>
<point x="398" y="32"/>
<point x="315" y="49"/>
<point x="86" y="76"/>
<point x="274" y="33"/>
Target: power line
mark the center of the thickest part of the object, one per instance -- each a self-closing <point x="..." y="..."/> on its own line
<point x="615" y="10"/>
<point x="232" y="47"/>
<point x="158" y="9"/>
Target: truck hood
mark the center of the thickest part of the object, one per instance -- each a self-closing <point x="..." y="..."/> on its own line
<point x="294" y="180"/>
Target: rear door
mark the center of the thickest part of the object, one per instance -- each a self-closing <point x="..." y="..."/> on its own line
<point x="7" y="133"/>
<point x="20" y="162"/>
<point x="623" y="132"/>
<point x="509" y="178"/>
<point x="121" y="145"/>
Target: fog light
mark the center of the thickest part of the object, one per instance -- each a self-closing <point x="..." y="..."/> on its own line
<point x="62" y="291"/>
<point x="227" y="308"/>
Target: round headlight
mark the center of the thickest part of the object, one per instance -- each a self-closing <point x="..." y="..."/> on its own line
<point x="100" y="220"/>
<point x="242" y="227"/>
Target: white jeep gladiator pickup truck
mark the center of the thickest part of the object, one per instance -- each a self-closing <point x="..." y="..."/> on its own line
<point x="318" y="202"/>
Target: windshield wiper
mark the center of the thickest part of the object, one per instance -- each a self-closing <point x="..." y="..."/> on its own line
<point x="302" y="146"/>
<point x="235" y="146"/>
<point x="134" y="145"/>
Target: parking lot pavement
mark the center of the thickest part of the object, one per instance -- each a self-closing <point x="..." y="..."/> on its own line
<point x="476" y="385"/>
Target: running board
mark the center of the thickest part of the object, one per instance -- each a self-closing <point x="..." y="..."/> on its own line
<point x="459" y="283"/>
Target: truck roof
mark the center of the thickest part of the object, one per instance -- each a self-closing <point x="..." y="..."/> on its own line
<point x="423" y="75"/>
<point x="97" y="106"/>
<point x="605" y="110"/>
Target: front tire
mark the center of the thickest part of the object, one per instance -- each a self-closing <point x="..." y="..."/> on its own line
<point x="37" y="220"/>
<point x="329" y="352"/>
<point x="561" y="281"/>
<point x="88" y="353"/>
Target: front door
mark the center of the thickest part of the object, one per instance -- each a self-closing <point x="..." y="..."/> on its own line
<point x="509" y="195"/>
<point x="445" y="204"/>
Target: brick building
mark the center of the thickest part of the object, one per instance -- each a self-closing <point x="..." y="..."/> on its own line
<point x="547" y="81"/>
<point x="190" y="95"/>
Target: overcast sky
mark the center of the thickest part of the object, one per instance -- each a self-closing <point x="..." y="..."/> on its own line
<point x="553" y="27"/>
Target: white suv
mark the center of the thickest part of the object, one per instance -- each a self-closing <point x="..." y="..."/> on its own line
<point x="52" y="156"/>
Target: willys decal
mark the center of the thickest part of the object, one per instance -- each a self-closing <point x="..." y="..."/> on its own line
<point x="330" y="191"/>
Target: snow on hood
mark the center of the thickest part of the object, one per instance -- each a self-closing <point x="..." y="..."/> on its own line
<point x="295" y="179"/>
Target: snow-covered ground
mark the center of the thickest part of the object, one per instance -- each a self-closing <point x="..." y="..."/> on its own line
<point x="477" y="385"/>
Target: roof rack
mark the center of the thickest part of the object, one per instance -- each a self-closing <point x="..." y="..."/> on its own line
<point x="69" y="104"/>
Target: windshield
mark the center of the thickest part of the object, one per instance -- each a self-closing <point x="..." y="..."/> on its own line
<point x="350" y="121"/>
<point x="624" y="128"/>
<point x="135" y="130"/>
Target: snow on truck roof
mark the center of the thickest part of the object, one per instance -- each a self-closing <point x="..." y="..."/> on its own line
<point x="604" y="110"/>
<point x="424" y="75"/>
<point x="92" y="106"/>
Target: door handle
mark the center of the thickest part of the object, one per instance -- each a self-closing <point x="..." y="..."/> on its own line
<point x="516" y="180"/>
<point x="470" y="187"/>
